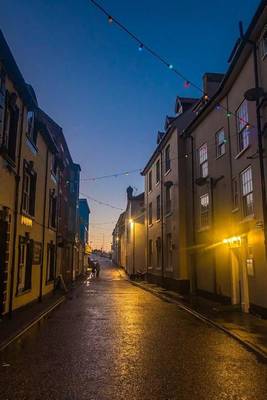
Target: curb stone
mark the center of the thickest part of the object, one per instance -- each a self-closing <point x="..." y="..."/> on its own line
<point x="257" y="350"/>
<point x="25" y="328"/>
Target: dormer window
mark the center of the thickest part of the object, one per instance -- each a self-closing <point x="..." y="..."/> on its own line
<point x="31" y="131"/>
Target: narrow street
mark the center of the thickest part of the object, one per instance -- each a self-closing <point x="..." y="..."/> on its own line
<point x="100" y="344"/>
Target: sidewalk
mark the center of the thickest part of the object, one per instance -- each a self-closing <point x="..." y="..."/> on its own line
<point x="25" y="317"/>
<point x="248" y="329"/>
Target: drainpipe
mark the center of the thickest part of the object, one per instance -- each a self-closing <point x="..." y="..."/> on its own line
<point x="43" y="239"/>
<point x="259" y="129"/>
<point x="134" y="248"/>
<point x="12" y="276"/>
<point x="212" y="185"/>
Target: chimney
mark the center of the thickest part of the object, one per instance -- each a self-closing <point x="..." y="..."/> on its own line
<point x="211" y="83"/>
<point x="129" y="193"/>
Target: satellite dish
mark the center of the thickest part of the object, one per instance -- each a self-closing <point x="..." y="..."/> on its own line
<point x="254" y="94"/>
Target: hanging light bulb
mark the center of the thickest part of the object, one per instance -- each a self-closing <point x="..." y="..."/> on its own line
<point x="228" y="114"/>
<point x="170" y="66"/>
<point x="187" y="84"/>
<point x="110" y="19"/>
<point x="141" y="46"/>
<point x="218" y="106"/>
<point x="206" y="97"/>
<point x="247" y="125"/>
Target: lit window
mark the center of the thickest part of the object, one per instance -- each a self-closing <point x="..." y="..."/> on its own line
<point x="204" y="210"/>
<point x="167" y="159"/>
<point x="247" y="192"/>
<point x="220" y="143"/>
<point x="242" y="126"/>
<point x="203" y="160"/>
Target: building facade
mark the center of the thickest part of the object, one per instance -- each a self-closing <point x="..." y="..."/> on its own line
<point x="29" y="191"/>
<point x="84" y="212"/>
<point x="230" y="178"/>
<point x="166" y="200"/>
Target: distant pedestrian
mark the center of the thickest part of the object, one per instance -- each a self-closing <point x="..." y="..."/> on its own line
<point x="97" y="269"/>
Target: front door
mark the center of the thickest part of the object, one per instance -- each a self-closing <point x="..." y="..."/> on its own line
<point x="240" y="289"/>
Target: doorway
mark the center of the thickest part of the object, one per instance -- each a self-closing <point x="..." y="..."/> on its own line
<point x="239" y="279"/>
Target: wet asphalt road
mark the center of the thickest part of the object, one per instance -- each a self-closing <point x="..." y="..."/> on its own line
<point x="113" y="340"/>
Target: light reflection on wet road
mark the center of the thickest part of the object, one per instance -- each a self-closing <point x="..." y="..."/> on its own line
<point x="114" y="341"/>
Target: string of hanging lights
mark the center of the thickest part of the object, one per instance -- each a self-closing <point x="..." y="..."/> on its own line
<point x="142" y="46"/>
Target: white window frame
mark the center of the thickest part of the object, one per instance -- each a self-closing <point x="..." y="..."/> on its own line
<point x="167" y="159"/>
<point x="247" y="192"/>
<point x="204" y="204"/>
<point x="203" y="160"/>
<point x="26" y="192"/>
<point x="243" y="129"/>
<point x="220" y="143"/>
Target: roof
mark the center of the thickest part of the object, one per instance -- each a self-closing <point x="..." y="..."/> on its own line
<point x="239" y="55"/>
<point x="179" y="122"/>
<point x="139" y="197"/>
<point x="13" y="72"/>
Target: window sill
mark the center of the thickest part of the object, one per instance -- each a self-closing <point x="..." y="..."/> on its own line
<point x="150" y="268"/>
<point x="25" y="214"/>
<point x="150" y="191"/>
<point x="158" y="220"/>
<point x="168" y="214"/>
<point x="53" y="177"/>
<point x="157" y="183"/>
<point x="31" y="145"/>
<point x="167" y="172"/>
<point x="18" y="294"/>
<point x="10" y="163"/>
<point x="235" y="210"/>
<point x="242" y="152"/>
<point x="205" y="228"/>
<point x="53" y="229"/>
<point x="247" y="219"/>
<point x="218" y="157"/>
<point x="150" y="225"/>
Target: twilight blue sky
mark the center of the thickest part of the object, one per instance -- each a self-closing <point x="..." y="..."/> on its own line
<point x="110" y="98"/>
